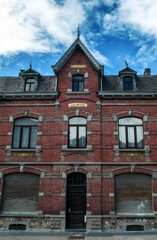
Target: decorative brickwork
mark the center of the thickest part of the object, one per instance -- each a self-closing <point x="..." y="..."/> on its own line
<point x="102" y="102"/>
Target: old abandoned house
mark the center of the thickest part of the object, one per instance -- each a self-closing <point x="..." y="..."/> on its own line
<point x="78" y="150"/>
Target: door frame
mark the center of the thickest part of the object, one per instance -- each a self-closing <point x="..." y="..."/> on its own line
<point x="74" y="188"/>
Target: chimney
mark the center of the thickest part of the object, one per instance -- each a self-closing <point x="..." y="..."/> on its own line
<point x="147" y="72"/>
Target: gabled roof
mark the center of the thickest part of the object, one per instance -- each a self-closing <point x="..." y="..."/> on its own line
<point x="127" y="70"/>
<point x="69" y="53"/>
<point x="30" y="71"/>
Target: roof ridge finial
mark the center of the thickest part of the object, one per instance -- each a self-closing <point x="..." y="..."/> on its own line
<point x="126" y="63"/>
<point x="78" y="31"/>
<point x="31" y="64"/>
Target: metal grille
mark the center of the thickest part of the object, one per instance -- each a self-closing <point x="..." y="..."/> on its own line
<point x="134" y="228"/>
<point x="17" y="227"/>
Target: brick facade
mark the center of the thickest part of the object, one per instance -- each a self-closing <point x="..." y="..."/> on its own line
<point x="102" y="159"/>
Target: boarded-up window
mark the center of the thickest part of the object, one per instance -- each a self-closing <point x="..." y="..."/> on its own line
<point x="133" y="194"/>
<point x="20" y="192"/>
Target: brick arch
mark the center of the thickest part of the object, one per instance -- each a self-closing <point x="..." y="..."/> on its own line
<point x="130" y="113"/>
<point x="75" y="72"/>
<point x="144" y="171"/>
<point x="78" y="113"/>
<point x="26" y="113"/>
<point x="18" y="170"/>
<point x="76" y="169"/>
<point x="135" y="170"/>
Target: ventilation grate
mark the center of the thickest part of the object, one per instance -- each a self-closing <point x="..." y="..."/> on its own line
<point x="17" y="227"/>
<point x="134" y="228"/>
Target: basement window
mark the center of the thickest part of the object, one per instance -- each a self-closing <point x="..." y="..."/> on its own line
<point x="17" y="227"/>
<point x="134" y="228"/>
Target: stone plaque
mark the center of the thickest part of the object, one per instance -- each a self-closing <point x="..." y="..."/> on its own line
<point x="77" y="105"/>
<point x="78" y="66"/>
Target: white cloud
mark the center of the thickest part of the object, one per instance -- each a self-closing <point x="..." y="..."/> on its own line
<point x="137" y="15"/>
<point x="137" y="20"/>
<point x="48" y="26"/>
<point x="34" y="26"/>
<point x="100" y="58"/>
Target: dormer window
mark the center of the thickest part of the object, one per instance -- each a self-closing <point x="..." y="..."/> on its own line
<point x="127" y="79"/>
<point x="30" y="85"/>
<point x="127" y="83"/>
<point x="78" y="83"/>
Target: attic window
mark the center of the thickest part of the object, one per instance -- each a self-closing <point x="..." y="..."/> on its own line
<point x="127" y="83"/>
<point x="78" y="83"/>
<point x="30" y="85"/>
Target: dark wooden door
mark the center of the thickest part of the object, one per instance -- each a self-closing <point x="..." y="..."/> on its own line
<point x="76" y="207"/>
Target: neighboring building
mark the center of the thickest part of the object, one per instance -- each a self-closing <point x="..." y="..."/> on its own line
<point x="78" y="150"/>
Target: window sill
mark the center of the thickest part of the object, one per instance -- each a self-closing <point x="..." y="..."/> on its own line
<point x="130" y="149"/>
<point x="9" y="150"/>
<point x="87" y="149"/>
<point x="69" y="91"/>
<point x="146" y="150"/>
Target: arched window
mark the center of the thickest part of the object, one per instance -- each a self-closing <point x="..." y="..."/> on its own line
<point x="78" y="83"/>
<point x="127" y="83"/>
<point x="130" y="132"/>
<point x="77" y="132"/>
<point x="25" y="133"/>
<point x="30" y="85"/>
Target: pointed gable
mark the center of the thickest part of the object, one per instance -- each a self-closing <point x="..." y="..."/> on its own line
<point x="31" y="72"/>
<point x="70" y="52"/>
<point x="127" y="70"/>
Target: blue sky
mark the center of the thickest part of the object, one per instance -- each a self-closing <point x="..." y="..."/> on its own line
<point x="113" y="30"/>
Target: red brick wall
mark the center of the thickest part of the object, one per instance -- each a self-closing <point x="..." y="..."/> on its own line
<point x="102" y="140"/>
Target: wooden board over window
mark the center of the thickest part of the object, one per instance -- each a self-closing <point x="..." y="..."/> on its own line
<point x="133" y="194"/>
<point x="20" y="192"/>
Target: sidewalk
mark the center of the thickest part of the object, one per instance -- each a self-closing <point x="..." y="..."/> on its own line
<point x="21" y="235"/>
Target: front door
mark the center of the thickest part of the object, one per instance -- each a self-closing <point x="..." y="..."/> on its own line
<point x="76" y="201"/>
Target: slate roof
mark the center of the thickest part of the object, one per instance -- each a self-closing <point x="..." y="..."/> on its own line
<point x="13" y="88"/>
<point x="16" y="84"/>
<point x="144" y="83"/>
<point x="111" y="86"/>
